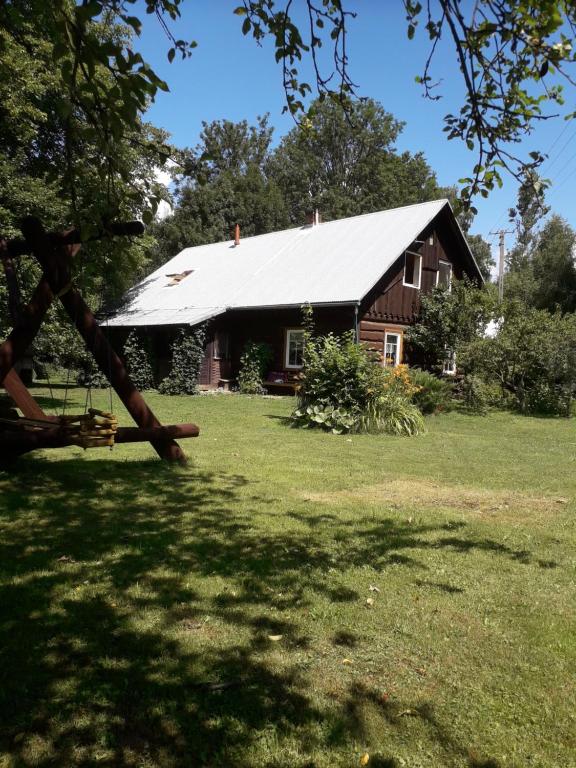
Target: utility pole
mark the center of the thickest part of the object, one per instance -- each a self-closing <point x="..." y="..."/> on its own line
<point x="501" y="234"/>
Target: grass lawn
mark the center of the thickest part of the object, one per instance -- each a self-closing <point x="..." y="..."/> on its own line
<point x="293" y="598"/>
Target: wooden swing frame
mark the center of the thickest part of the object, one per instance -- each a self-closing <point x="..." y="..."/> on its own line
<point x="54" y="253"/>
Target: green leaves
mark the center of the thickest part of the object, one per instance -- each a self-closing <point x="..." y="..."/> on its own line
<point x="254" y="364"/>
<point x="187" y="355"/>
<point x="503" y="51"/>
<point x="138" y="363"/>
<point x="293" y="39"/>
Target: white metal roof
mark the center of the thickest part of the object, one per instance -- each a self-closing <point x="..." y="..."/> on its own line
<point x="330" y="263"/>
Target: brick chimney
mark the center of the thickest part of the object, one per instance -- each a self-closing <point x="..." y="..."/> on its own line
<point x="313" y="218"/>
<point x="237" y="235"/>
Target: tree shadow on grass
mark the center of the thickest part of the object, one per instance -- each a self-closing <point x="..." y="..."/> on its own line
<point x="365" y="705"/>
<point x="137" y="603"/>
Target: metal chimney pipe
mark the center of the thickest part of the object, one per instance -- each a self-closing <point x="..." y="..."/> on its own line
<point x="237" y="235"/>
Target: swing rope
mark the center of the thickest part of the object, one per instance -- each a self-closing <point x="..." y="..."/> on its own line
<point x="93" y="428"/>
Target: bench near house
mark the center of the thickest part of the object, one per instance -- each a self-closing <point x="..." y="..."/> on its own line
<point x="365" y="273"/>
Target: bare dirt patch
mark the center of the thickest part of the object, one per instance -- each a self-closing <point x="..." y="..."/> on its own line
<point x="425" y="494"/>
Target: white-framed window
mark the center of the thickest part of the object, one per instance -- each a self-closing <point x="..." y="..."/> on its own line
<point x="449" y="367"/>
<point x="444" y="275"/>
<point x="294" y="348"/>
<point x="392" y="349"/>
<point x="221" y="345"/>
<point x="412" y="269"/>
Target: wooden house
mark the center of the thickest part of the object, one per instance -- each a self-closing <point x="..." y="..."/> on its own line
<point x="364" y="273"/>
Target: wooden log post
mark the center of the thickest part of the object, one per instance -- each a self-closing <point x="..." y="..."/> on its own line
<point x="55" y="260"/>
<point x="24" y="332"/>
<point x="113" y="368"/>
<point x="18" y="391"/>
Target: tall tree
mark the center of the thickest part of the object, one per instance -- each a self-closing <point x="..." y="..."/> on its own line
<point x="529" y="211"/>
<point x="482" y="253"/>
<point x="554" y="267"/>
<point x="226" y="146"/>
<point x="222" y="182"/>
<point x="526" y="216"/>
<point x="40" y="175"/>
<point x="514" y="56"/>
<point x="346" y="163"/>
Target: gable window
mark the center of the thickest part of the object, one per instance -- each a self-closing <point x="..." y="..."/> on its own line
<point x="294" y="348"/>
<point x="412" y="269"/>
<point x="221" y="346"/>
<point x="391" y="349"/>
<point x="444" y="275"/>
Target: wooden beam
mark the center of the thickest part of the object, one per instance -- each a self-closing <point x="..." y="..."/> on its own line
<point x="17" y="442"/>
<point x="24" y="332"/>
<point x="13" y="384"/>
<point x="113" y="368"/>
<point x="55" y="261"/>
<point x="18" y="391"/>
<point x="55" y="258"/>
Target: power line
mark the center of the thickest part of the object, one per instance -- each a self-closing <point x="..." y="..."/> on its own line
<point x="557" y="139"/>
<point x="555" y="160"/>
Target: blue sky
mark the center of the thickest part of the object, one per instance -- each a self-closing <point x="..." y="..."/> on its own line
<point x="230" y="77"/>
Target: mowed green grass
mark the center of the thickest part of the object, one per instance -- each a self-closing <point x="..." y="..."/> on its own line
<point x="292" y="598"/>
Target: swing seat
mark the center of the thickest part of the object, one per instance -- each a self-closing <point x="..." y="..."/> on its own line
<point x="54" y="253"/>
<point x="94" y="429"/>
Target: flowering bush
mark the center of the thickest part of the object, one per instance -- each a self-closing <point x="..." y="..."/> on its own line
<point x="345" y="389"/>
<point x="400" y="383"/>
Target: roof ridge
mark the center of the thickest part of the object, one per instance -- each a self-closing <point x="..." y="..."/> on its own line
<point x="322" y="224"/>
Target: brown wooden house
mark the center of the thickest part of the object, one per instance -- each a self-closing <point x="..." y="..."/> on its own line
<point x="365" y="273"/>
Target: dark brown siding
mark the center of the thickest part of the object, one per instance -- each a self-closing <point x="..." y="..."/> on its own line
<point x="389" y="306"/>
<point x="391" y="301"/>
<point x="373" y="333"/>
<point x="268" y="326"/>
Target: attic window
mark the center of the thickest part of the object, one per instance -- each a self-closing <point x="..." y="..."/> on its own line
<point x="412" y="269"/>
<point x="177" y="277"/>
<point x="444" y="275"/>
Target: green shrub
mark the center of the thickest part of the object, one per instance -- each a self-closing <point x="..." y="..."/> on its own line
<point x="254" y="364"/>
<point x="91" y="376"/>
<point x="345" y="389"/>
<point x="474" y="395"/>
<point x="398" y="416"/>
<point x="532" y="359"/>
<point x="432" y="394"/>
<point x="88" y="373"/>
<point x="327" y="416"/>
<point x="187" y="356"/>
<point x="138" y="362"/>
<point x="449" y="319"/>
